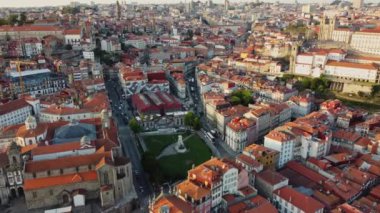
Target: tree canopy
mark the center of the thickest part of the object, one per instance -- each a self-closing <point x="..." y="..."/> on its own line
<point x="191" y="120"/>
<point x="242" y="96"/>
<point x="134" y="125"/>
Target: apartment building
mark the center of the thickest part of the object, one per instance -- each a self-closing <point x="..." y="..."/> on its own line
<point x="207" y="183"/>
<point x="264" y="155"/>
<point x="240" y="132"/>
<point x="367" y="40"/>
<point x="14" y="112"/>
<point x="283" y="142"/>
<point x="225" y="115"/>
<point x="111" y="44"/>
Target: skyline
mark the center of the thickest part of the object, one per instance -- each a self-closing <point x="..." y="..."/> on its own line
<point x="40" y="3"/>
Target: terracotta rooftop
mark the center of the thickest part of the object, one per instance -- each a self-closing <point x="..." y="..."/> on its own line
<point x="13" y="106"/>
<point x="39" y="183"/>
<point x="27" y="133"/>
<point x="248" y="160"/>
<point x="241" y="124"/>
<point x="279" y="136"/>
<point x="234" y="111"/>
<point x="271" y="177"/>
<point x="196" y="192"/>
<point x="304" y="171"/>
<point x="68" y="162"/>
<point x="345" y="135"/>
<point x="8" y="28"/>
<point x="257" y="204"/>
<point x="172" y="202"/>
<point x="372" y="66"/>
<point x="41" y="150"/>
<point x="60" y="110"/>
<point x="258" y="150"/>
<point x="301" y="201"/>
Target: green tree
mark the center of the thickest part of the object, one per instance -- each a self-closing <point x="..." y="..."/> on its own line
<point x="22" y="18"/>
<point x="68" y="47"/>
<point x="197" y="125"/>
<point x="134" y="125"/>
<point x="190" y="35"/>
<point x="150" y="164"/>
<point x="306" y="83"/>
<point x="3" y="22"/>
<point x="70" y="10"/>
<point x="235" y="100"/>
<point x="244" y="95"/>
<point x="375" y="90"/>
<point x="287" y="77"/>
<point x="189" y="119"/>
<point x="13" y="19"/>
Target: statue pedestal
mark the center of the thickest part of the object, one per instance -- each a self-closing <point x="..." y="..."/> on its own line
<point x="180" y="146"/>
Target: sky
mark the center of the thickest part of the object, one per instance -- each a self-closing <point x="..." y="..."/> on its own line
<point x="39" y="3"/>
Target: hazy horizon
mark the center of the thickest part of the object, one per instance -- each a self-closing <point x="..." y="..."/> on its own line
<point x="40" y="3"/>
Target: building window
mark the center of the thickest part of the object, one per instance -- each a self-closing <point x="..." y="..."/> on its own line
<point x="34" y="194"/>
<point x="51" y="192"/>
<point x="14" y="159"/>
<point x="48" y="172"/>
<point x="89" y="167"/>
<point x="105" y="177"/>
<point x="61" y="171"/>
<point x="34" y="175"/>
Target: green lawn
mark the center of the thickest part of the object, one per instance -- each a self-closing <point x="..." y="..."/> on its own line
<point x="175" y="167"/>
<point x="157" y="143"/>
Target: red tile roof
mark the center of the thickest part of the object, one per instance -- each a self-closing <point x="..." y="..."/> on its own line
<point x="41" y="150"/>
<point x="241" y="124"/>
<point x="38" y="183"/>
<point x="271" y="177"/>
<point x="193" y="190"/>
<point x="13" y="106"/>
<point x="72" y="32"/>
<point x="308" y="173"/>
<point x="301" y="201"/>
<point x="68" y="162"/>
<point x="174" y="204"/>
<point x="27" y="133"/>
<point x="280" y="136"/>
<point x="257" y="204"/>
<point x="60" y="110"/>
<point x="8" y="28"/>
<point x="372" y="66"/>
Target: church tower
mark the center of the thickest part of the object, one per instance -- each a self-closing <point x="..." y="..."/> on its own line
<point x="118" y="8"/>
<point x="327" y="27"/>
<point x="226" y="5"/>
<point x="105" y="119"/>
<point x="293" y="57"/>
<point x="30" y="123"/>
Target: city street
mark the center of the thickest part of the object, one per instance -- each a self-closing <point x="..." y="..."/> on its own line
<point x="219" y="148"/>
<point x="128" y="142"/>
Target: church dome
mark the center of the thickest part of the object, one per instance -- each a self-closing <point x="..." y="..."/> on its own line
<point x="74" y="132"/>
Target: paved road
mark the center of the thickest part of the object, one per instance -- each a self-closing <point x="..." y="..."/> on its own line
<point x="222" y="149"/>
<point x="128" y="142"/>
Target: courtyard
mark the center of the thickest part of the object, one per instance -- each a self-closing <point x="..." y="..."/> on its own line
<point x="175" y="166"/>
